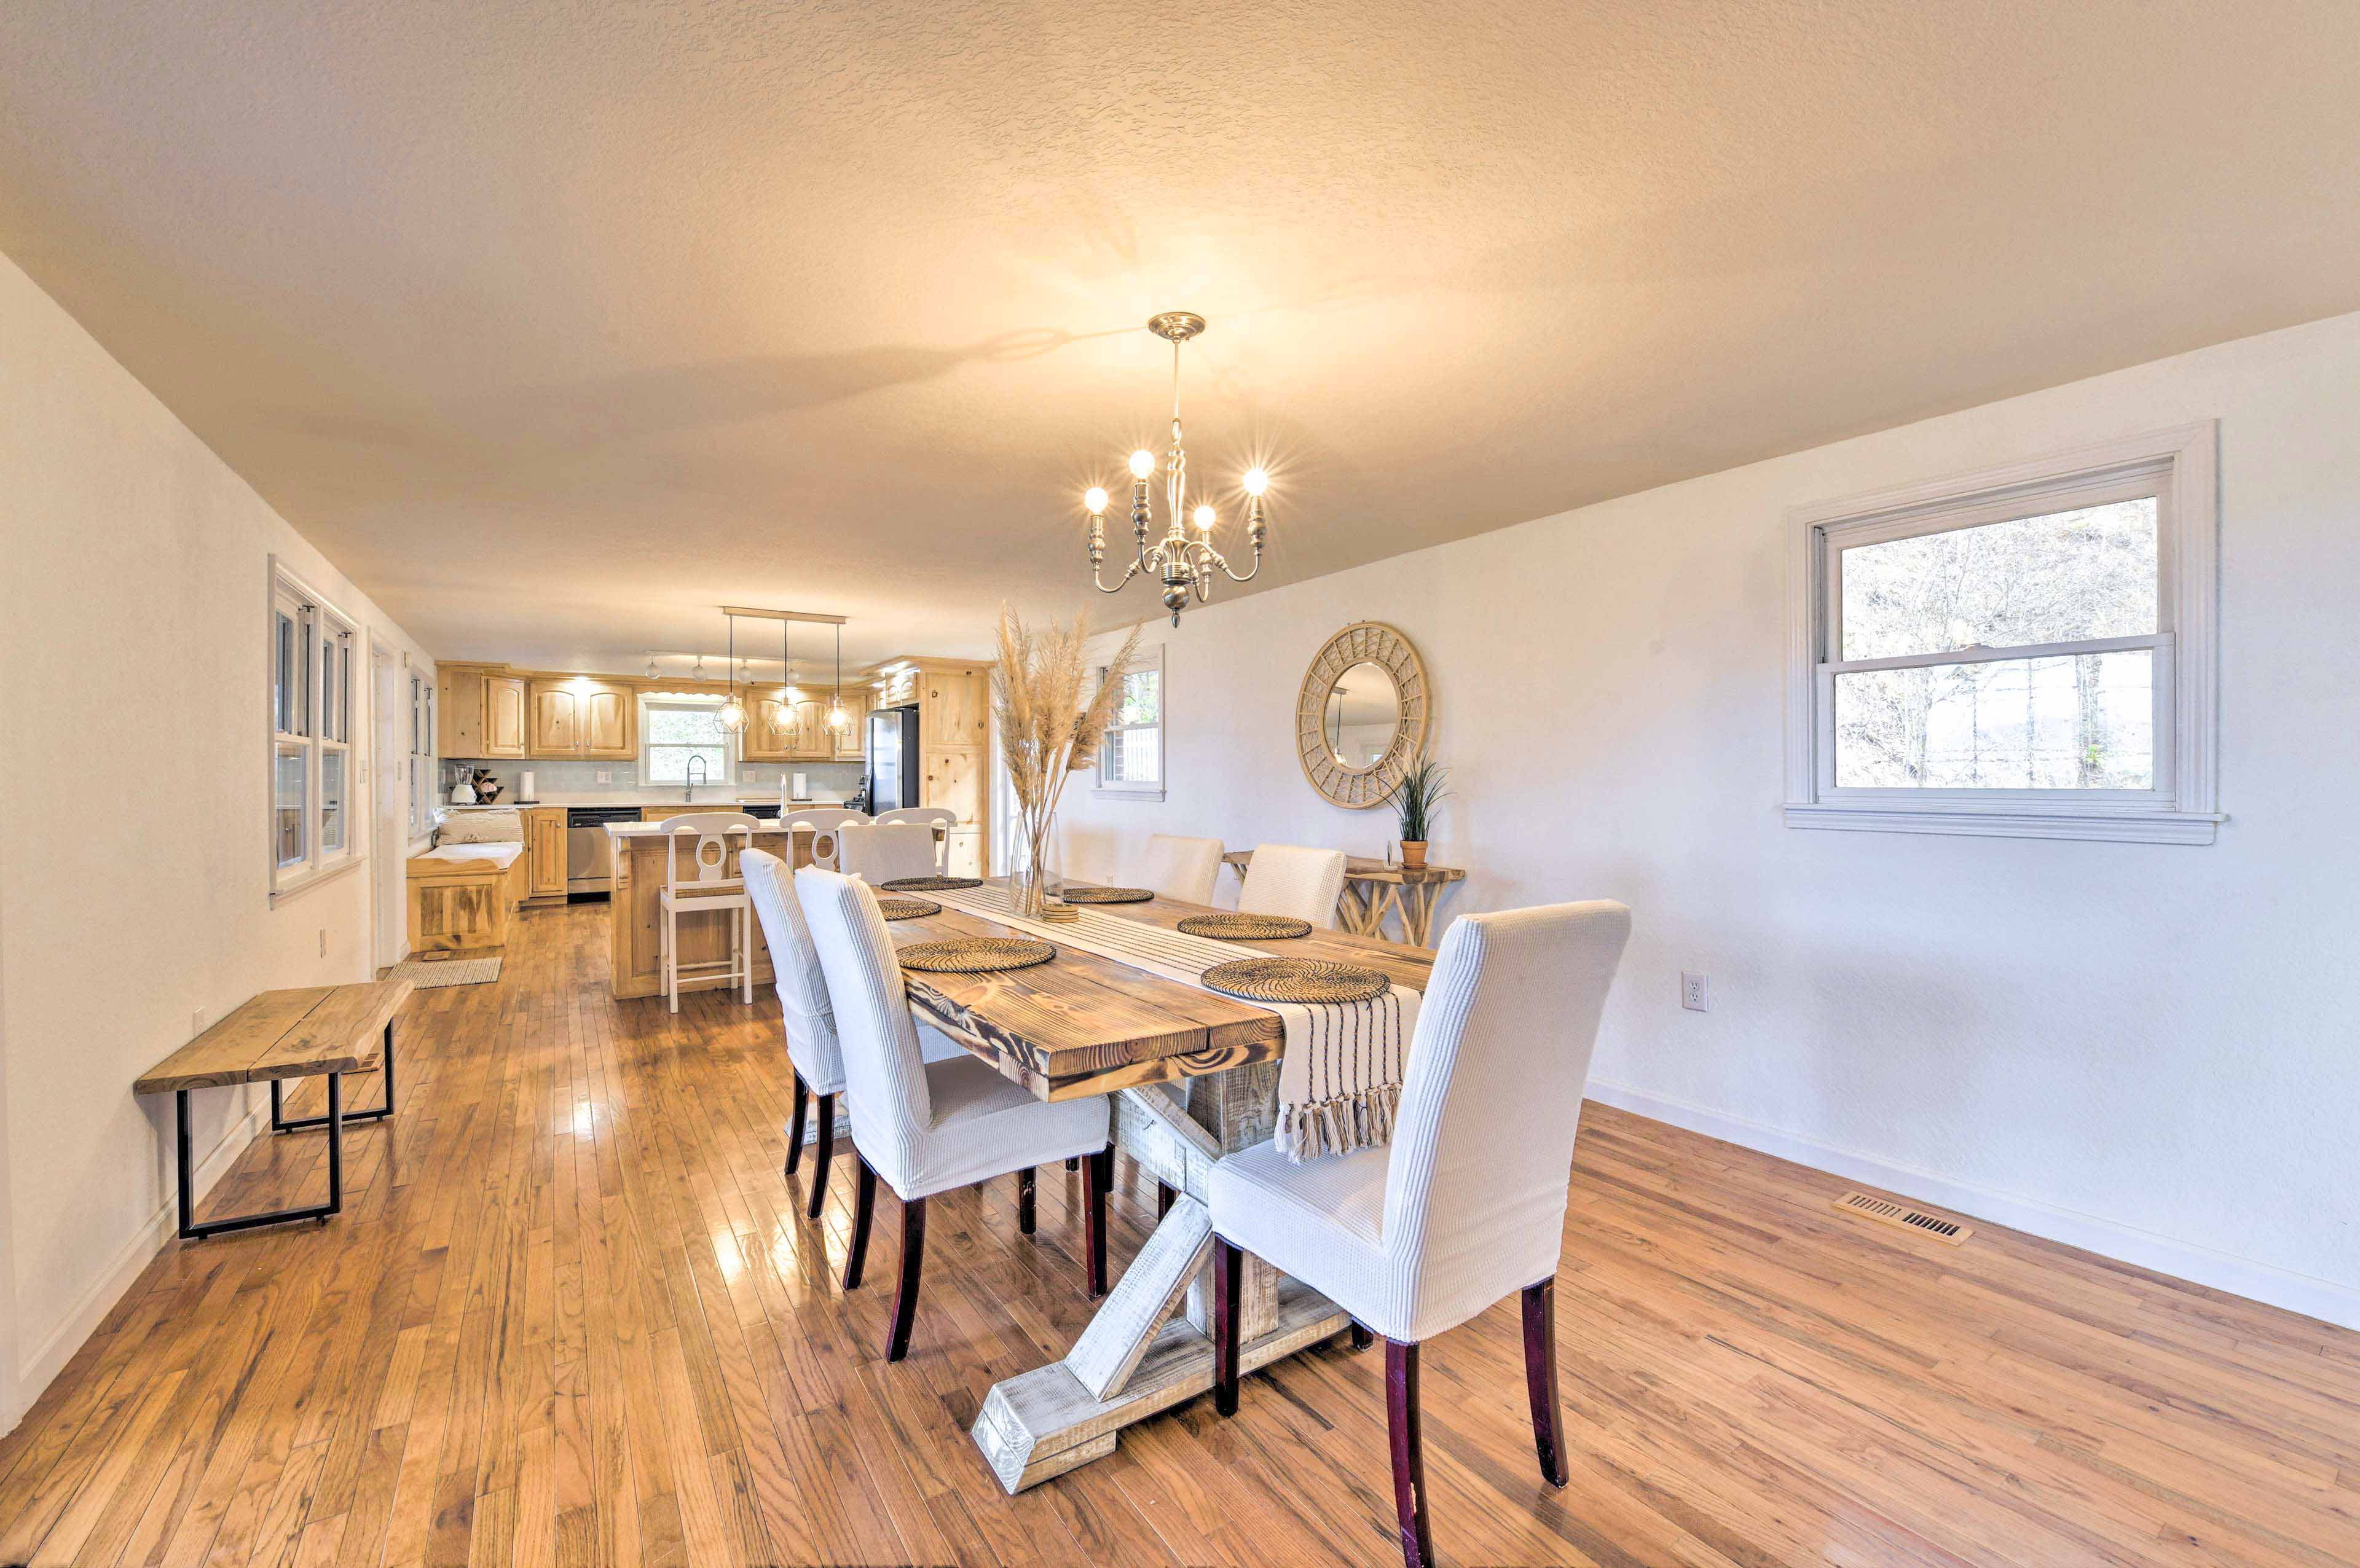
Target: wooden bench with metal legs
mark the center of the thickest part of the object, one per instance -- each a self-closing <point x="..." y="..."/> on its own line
<point x="306" y="1032"/>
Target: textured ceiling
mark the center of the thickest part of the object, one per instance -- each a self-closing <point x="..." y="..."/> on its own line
<point x="558" y="324"/>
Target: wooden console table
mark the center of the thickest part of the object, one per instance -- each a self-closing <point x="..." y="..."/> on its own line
<point x="1374" y="889"/>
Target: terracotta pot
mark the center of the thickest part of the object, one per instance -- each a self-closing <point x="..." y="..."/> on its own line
<point x="1414" y="853"/>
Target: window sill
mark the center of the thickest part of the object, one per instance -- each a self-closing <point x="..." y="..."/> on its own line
<point x="288" y="889"/>
<point x="1108" y="793"/>
<point x="2104" y="827"/>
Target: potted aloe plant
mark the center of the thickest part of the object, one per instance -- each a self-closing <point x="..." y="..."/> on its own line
<point x="1421" y="790"/>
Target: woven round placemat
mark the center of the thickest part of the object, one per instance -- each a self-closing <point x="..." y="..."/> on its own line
<point x="1294" y="980"/>
<point x="1247" y="928"/>
<point x="894" y="908"/>
<point x="931" y="884"/>
<point x="1074" y="895"/>
<point x="976" y="955"/>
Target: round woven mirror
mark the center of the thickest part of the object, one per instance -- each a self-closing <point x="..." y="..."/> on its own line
<point x="1362" y="716"/>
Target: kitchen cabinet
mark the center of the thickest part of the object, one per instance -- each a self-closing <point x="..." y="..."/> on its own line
<point x="852" y="741"/>
<point x="504" y="718"/>
<point x="582" y="717"/>
<point x="556" y="719"/>
<point x="954" y="708"/>
<point x="459" y="698"/>
<point x="769" y="730"/>
<point x="544" y="848"/>
<point x="954" y="779"/>
<point x="963" y="850"/>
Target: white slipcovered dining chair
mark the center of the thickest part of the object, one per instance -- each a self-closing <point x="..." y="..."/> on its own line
<point x="1282" y="879"/>
<point x="883" y="852"/>
<point x="937" y="817"/>
<point x="1181" y="867"/>
<point x="1469" y="1202"/>
<point x="822" y="821"/>
<point x="713" y="888"/>
<point x="929" y="1127"/>
<point x="812" y="1048"/>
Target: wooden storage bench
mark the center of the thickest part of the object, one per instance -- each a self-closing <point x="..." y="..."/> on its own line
<point x="461" y="896"/>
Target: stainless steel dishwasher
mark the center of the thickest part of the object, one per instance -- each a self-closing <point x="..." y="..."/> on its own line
<point x="589" y="852"/>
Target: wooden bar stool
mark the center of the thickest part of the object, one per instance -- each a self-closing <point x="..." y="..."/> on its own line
<point x="718" y="887"/>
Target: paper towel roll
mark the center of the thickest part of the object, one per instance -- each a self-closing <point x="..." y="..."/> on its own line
<point x="525" y="790"/>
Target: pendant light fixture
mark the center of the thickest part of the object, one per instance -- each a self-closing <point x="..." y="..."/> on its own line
<point x="837" y="719"/>
<point x="733" y="712"/>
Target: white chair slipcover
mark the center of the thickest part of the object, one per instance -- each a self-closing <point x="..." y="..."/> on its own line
<point x="927" y="1128"/>
<point x="1468" y="1203"/>
<point x="883" y="852"/>
<point x="1181" y="867"/>
<point x="1284" y="879"/>
<point x="804" y="1005"/>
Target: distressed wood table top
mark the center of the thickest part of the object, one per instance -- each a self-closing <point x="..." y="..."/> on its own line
<point x="1081" y="1024"/>
<point x="297" y="1034"/>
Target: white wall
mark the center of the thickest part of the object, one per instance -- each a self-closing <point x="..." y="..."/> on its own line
<point x="2150" y="1050"/>
<point x="133" y="878"/>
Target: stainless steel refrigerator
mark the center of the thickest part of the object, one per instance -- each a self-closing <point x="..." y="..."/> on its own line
<point x="894" y="777"/>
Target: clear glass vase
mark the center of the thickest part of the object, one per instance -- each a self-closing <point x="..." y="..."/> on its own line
<point x="1034" y="880"/>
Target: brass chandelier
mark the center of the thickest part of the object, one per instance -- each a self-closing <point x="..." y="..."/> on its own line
<point x="1185" y="565"/>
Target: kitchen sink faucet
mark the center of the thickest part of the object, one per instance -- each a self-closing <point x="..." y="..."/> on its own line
<point x="695" y="774"/>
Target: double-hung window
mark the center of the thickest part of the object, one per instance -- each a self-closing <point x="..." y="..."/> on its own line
<point x="312" y="764"/>
<point x="683" y="740"/>
<point x="422" y="754"/>
<point x="1130" y="757"/>
<point x="2024" y="652"/>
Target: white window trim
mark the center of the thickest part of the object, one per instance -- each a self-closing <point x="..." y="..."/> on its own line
<point x="315" y="867"/>
<point x="732" y="742"/>
<point x="2184" y="808"/>
<point x="1151" y="656"/>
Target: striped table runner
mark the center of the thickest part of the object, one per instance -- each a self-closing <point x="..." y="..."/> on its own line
<point x="1339" y="1075"/>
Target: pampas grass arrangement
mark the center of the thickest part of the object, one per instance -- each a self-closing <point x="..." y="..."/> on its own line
<point x="1048" y="731"/>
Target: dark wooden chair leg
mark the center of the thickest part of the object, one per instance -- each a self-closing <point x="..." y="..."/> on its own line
<point x="913" y="1261"/>
<point x="1361" y="1337"/>
<point x="1229" y="1272"/>
<point x="820" y="1158"/>
<point x="1163" y="1197"/>
<point x="864" y="1209"/>
<point x="1098" y="1175"/>
<point x="1027" y="1219"/>
<point x="1540" y="1378"/>
<point x="795" y="1125"/>
<point x="1409" y="1454"/>
<point x="1073" y="1162"/>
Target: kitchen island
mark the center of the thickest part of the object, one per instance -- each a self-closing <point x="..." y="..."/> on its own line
<point x="637" y="908"/>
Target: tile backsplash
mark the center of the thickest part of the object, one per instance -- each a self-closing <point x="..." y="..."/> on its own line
<point x="561" y="778"/>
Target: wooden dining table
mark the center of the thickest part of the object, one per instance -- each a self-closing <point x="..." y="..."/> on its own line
<point x="1195" y="1076"/>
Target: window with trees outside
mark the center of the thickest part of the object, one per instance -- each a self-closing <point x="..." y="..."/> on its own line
<point x="2026" y="652"/>
<point x="1130" y="759"/>
<point x="311" y="765"/>
<point x="682" y="738"/>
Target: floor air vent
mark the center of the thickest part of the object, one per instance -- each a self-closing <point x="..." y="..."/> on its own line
<point x="1887" y="1211"/>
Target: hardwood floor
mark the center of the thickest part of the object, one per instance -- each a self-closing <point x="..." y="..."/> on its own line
<point x="574" y="1313"/>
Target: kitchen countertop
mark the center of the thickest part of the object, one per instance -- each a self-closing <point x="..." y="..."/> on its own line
<point x="647" y="797"/>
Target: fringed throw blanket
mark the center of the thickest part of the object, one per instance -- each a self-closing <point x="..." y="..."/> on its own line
<point x="1340" y="1077"/>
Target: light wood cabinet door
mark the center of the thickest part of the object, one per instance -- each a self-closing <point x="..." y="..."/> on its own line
<point x="852" y="741"/>
<point x="954" y="709"/>
<point x="503" y="716"/>
<point x="556" y="719"/>
<point x="963" y="852"/>
<point x="769" y="730"/>
<point x="808" y="740"/>
<point x="610" y="722"/>
<point x="459" y="706"/>
<point x="954" y="779"/>
<point x="545" y="847"/>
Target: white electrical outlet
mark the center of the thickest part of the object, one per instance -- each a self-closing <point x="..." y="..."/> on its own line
<point x="1693" y="995"/>
<point x="323" y="941"/>
<point x="196" y="1022"/>
<point x="605" y="775"/>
